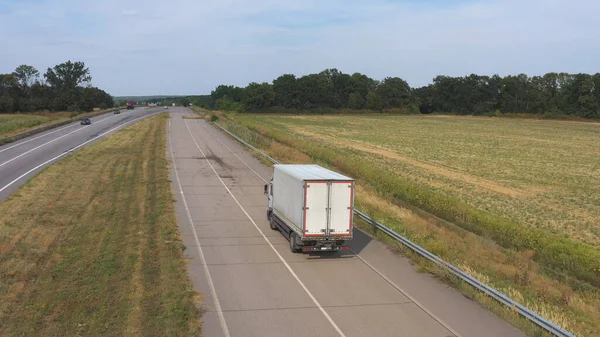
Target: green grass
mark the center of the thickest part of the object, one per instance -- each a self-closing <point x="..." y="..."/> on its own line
<point x="90" y="246"/>
<point x="425" y="178"/>
<point x="13" y="124"/>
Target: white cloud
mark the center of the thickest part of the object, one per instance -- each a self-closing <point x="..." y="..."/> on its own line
<point x="195" y="45"/>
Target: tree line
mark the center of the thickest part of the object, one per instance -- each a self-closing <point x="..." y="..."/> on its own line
<point x="552" y="93"/>
<point x="64" y="87"/>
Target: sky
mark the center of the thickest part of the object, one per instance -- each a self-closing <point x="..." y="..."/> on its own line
<point x="151" y="47"/>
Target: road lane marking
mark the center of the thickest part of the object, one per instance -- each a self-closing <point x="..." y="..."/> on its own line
<point x="385" y="278"/>
<point x="211" y="285"/>
<point x="71" y="150"/>
<point x="38" y="137"/>
<point x="289" y="268"/>
<point x="240" y="159"/>
<point x="46" y="143"/>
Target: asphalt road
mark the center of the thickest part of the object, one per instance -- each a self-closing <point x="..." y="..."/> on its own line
<point x="21" y="160"/>
<point x="254" y="286"/>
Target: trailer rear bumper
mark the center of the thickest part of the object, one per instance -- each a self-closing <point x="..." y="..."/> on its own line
<point x="325" y="238"/>
<point x="325" y="248"/>
<point x="324" y="245"/>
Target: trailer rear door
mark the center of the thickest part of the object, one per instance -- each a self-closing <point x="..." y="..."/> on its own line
<point x="341" y="198"/>
<point x="316" y="195"/>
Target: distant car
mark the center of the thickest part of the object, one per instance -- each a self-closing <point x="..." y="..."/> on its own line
<point x="117" y="111"/>
<point x="165" y="107"/>
<point x="86" y="121"/>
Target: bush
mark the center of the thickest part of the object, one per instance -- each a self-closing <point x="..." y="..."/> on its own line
<point x="413" y="109"/>
<point x="214" y="118"/>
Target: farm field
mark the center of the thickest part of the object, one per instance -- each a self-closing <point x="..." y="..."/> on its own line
<point x="516" y="202"/>
<point x="543" y="174"/>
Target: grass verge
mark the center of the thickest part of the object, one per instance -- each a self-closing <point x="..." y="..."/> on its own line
<point x="90" y="246"/>
<point x="12" y="124"/>
<point x="573" y="305"/>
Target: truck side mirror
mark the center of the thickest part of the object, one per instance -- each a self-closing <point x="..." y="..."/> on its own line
<point x="266" y="189"/>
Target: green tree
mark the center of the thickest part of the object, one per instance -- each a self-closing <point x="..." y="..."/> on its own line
<point x="373" y="101"/>
<point x="225" y="103"/>
<point x="7" y="104"/>
<point x="26" y="76"/>
<point x="68" y="75"/>
<point x="363" y="84"/>
<point x="9" y="92"/>
<point x="184" y="101"/>
<point x="394" y="92"/>
<point x="557" y="93"/>
<point x="355" y="101"/>
<point x="258" y="96"/>
<point x="234" y="94"/>
<point x="316" y="91"/>
<point x="287" y="93"/>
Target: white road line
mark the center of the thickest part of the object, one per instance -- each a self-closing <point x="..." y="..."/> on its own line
<point x="46" y="143"/>
<point x="289" y="268"/>
<point x="388" y="280"/>
<point x="456" y="334"/>
<point x="38" y="137"/>
<point x="240" y="159"/>
<point x="200" y="252"/>
<point x="73" y="149"/>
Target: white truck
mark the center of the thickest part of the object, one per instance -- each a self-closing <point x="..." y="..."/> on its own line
<point x="311" y="206"/>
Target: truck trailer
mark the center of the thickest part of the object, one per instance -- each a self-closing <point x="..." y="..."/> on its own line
<point x="311" y="206"/>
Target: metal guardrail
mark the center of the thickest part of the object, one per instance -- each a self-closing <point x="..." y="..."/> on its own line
<point x="475" y="283"/>
<point x="14" y="138"/>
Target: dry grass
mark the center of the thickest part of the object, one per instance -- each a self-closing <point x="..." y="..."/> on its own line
<point x="513" y="272"/>
<point x="542" y="174"/>
<point x="200" y="111"/>
<point x="90" y="246"/>
<point x="14" y="124"/>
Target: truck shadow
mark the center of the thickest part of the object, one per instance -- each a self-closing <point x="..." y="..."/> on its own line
<point x="359" y="241"/>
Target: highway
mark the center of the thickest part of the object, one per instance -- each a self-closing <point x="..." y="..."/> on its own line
<point x="21" y="160"/>
<point x="252" y="284"/>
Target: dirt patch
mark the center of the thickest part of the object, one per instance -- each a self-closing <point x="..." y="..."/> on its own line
<point x="435" y="169"/>
<point x="219" y="161"/>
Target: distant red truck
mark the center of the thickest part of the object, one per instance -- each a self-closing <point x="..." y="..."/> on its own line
<point x="130" y="105"/>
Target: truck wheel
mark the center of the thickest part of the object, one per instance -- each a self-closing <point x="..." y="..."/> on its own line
<point x="293" y="246"/>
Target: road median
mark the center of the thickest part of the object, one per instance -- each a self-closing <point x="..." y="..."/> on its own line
<point x="90" y="246"/>
<point x="10" y="137"/>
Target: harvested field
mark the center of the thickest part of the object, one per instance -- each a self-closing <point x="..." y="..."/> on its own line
<point x="513" y="202"/>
